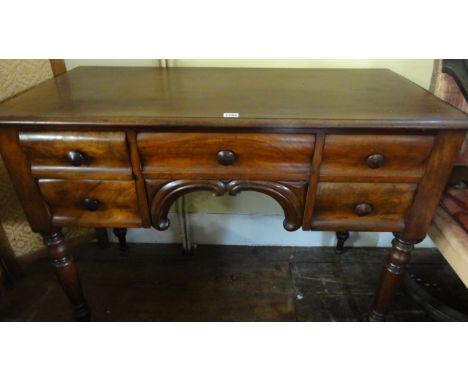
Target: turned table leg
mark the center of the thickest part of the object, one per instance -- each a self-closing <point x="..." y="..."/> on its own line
<point x="121" y="234"/>
<point x="67" y="274"/>
<point x="390" y="279"/>
<point x="341" y="237"/>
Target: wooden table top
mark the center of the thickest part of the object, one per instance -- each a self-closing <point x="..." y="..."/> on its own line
<point x="343" y="98"/>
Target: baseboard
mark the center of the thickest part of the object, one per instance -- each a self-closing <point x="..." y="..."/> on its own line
<point x="253" y="230"/>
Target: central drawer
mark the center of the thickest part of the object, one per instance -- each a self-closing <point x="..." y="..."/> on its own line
<point x="226" y="155"/>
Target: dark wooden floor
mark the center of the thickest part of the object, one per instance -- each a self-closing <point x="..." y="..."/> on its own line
<point x="158" y="283"/>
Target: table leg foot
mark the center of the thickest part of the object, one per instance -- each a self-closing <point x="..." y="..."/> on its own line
<point x="341" y="237"/>
<point x="121" y="234"/>
<point x="375" y="317"/>
<point x="390" y="278"/>
<point x="82" y="312"/>
<point x="67" y="274"/>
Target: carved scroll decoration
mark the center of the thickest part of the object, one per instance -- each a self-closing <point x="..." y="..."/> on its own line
<point x="290" y="197"/>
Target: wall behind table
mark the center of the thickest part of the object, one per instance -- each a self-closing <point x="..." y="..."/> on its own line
<point x="251" y="218"/>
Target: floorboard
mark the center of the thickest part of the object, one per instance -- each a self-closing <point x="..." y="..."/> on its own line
<point x="227" y="283"/>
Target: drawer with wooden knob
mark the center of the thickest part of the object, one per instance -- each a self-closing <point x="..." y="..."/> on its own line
<point x="362" y="206"/>
<point x="375" y="158"/>
<point x="91" y="203"/>
<point x="226" y="155"/>
<point x="90" y="155"/>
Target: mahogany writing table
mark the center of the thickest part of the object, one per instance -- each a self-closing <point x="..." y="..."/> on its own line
<point x="338" y="149"/>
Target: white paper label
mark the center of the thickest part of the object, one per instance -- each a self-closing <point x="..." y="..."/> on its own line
<point x="231" y="115"/>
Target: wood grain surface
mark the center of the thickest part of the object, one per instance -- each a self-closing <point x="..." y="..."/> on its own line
<point x="117" y="202"/>
<point x="105" y="154"/>
<point x="341" y="98"/>
<point x="257" y="156"/>
<point x="335" y="206"/>
<point x="345" y="157"/>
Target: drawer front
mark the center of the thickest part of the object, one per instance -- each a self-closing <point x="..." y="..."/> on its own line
<point x="91" y="203"/>
<point x="374" y="158"/>
<point x="226" y="156"/>
<point x="362" y="206"/>
<point x="77" y="154"/>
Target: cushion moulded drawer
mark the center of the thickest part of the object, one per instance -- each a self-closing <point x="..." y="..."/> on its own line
<point x="91" y="203"/>
<point x="375" y="158"/>
<point x="90" y="155"/>
<point x="377" y="207"/>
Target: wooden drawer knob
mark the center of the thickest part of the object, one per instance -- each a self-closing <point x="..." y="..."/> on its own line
<point x="363" y="209"/>
<point x="75" y="158"/>
<point x="91" y="204"/>
<point x="375" y="160"/>
<point x="226" y="157"/>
